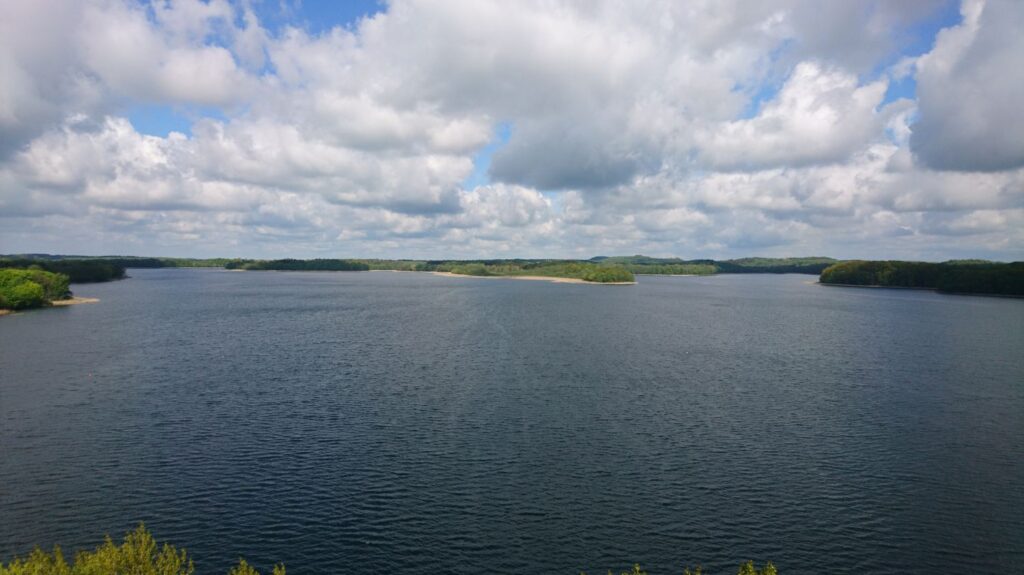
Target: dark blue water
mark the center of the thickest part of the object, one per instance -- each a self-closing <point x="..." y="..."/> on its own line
<point x="408" y="423"/>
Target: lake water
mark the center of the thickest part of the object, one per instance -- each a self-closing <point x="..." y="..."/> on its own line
<point x="409" y="423"/>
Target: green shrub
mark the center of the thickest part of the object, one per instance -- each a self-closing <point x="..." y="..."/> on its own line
<point x="139" y="554"/>
<point x="747" y="568"/>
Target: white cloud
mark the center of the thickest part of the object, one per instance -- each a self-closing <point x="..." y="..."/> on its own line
<point x="695" y="129"/>
<point x="819" y="116"/>
<point x="970" y="88"/>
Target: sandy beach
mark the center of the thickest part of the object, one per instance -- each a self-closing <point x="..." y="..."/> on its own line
<point x="74" y="300"/>
<point x="536" y="278"/>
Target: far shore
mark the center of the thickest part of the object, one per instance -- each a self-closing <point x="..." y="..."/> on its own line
<point x="551" y="279"/>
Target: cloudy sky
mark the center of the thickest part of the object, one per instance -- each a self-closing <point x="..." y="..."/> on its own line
<point x="446" y="128"/>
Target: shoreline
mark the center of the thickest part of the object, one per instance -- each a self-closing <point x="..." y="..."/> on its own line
<point x="73" y="300"/>
<point x="934" y="290"/>
<point x="552" y="279"/>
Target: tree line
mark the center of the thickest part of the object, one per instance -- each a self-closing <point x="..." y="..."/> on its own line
<point x="78" y="271"/>
<point x="640" y="264"/>
<point x="573" y="269"/>
<point x="331" y="265"/>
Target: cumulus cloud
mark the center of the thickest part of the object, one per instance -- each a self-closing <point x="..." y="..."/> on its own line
<point x="691" y="129"/>
<point x="819" y="116"/>
<point x="970" y="87"/>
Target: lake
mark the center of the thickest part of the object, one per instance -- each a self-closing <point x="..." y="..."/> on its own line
<point x="409" y="423"/>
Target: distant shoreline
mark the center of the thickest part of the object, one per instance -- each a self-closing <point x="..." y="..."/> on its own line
<point x="552" y="279"/>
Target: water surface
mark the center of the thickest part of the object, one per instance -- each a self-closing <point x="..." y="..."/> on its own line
<point x="409" y="423"/>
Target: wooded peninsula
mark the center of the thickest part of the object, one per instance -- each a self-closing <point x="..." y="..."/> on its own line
<point x="955" y="276"/>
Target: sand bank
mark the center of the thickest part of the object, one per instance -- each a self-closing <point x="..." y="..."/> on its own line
<point x="74" y="301"/>
<point x="536" y="278"/>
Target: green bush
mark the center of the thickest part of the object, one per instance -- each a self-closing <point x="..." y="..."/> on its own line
<point x="139" y="554"/>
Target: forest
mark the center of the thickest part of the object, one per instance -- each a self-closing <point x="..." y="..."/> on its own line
<point x="963" y="276"/>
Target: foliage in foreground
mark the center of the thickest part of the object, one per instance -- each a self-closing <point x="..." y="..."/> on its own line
<point x="30" y="288"/>
<point x="139" y="554"/>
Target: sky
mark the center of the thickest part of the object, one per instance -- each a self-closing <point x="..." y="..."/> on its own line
<point x="548" y="128"/>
